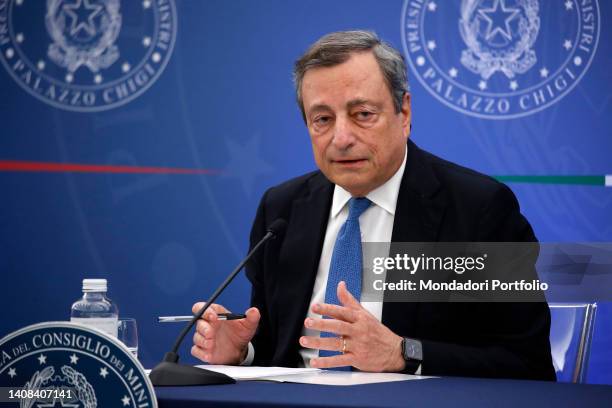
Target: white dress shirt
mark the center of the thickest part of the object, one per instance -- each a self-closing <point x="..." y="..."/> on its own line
<point x="376" y="225"/>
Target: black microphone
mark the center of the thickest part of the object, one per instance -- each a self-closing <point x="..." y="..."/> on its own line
<point x="169" y="372"/>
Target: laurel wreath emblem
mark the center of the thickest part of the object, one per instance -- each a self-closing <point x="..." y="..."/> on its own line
<point x="35" y="383"/>
<point x="40" y="379"/>
<point x="97" y="54"/>
<point x="485" y="60"/>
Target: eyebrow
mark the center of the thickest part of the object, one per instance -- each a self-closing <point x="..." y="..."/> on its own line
<point x="357" y="102"/>
<point x="319" y="107"/>
<point x="350" y="105"/>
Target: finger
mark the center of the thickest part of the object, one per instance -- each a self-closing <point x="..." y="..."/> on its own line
<point x="329" y="325"/>
<point x="197" y="307"/>
<point x="219" y="308"/>
<point x="205" y="329"/>
<point x="322" y="343"/>
<point x="198" y="339"/>
<point x="213" y="307"/>
<point x="203" y="343"/>
<point x="252" y="318"/>
<point x="335" y="311"/>
<point x="210" y="315"/>
<point x="207" y="315"/>
<point x="199" y="353"/>
<point x="345" y="297"/>
<point x="341" y="360"/>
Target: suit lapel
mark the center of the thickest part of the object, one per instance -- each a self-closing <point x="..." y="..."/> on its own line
<point x="301" y="251"/>
<point x="418" y="216"/>
<point x="420" y="204"/>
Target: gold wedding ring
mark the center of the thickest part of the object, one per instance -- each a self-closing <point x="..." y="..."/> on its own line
<point x="343" y="345"/>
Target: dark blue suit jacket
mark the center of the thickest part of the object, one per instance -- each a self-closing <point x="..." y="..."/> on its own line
<point x="438" y="202"/>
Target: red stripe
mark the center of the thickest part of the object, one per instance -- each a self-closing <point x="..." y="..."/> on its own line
<point x="47" y="167"/>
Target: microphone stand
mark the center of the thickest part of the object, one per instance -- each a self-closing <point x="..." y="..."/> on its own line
<point x="169" y="372"/>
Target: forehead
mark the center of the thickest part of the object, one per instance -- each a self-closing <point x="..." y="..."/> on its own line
<point x="360" y="77"/>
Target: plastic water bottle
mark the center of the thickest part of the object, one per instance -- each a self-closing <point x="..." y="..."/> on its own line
<point x="94" y="309"/>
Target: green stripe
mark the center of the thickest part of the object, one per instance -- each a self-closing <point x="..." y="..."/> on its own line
<point x="582" y="180"/>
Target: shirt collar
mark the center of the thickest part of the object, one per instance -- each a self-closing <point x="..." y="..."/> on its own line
<point x="384" y="196"/>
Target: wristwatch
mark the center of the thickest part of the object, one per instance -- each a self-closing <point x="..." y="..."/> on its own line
<point x="412" y="351"/>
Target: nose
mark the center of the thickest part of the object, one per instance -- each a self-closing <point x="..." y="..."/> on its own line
<point x="343" y="134"/>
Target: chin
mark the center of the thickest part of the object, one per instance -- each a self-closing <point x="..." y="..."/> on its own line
<point x="348" y="180"/>
<point x="356" y="189"/>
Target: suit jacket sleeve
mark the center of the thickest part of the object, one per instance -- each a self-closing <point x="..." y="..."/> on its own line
<point x="501" y="339"/>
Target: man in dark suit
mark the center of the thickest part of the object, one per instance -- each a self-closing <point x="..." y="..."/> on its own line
<point x="352" y="91"/>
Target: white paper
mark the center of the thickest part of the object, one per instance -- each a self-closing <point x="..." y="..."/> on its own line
<point x="331" y="377"/>
<point x="255" y="373"/>
<point x="309" y="375"/>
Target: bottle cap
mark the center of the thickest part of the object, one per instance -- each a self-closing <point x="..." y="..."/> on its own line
<point x="94" y="285"/>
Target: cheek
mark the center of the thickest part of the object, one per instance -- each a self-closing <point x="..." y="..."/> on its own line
<point x="375" y="151"/>
<point x="384" y="146"/>
<point x="318" y="149"/>
<point x="388" y="153"/>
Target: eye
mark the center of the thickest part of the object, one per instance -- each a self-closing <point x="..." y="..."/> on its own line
<point x="364" y="115"/>
<point x="322" y="120"/>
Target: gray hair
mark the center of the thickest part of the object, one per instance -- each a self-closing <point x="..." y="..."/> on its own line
<point x="336" y="48"/>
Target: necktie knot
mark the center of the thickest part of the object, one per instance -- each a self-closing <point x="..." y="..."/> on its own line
<point x="357" y="205"/>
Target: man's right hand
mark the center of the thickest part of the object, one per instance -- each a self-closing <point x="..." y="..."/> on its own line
<point x="223" y="342"/>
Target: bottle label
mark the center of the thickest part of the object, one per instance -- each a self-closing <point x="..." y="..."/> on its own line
<point x="106" y="324"/>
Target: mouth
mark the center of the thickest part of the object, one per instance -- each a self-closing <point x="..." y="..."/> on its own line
<point x="350" y="163"/>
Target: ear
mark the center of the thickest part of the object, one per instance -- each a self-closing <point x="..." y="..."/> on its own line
<point x="406" y="112"/>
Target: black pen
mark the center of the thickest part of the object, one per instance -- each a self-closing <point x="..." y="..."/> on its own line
<point x="221" y="316"/>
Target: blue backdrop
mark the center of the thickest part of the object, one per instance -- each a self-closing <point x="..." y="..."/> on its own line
<point x="206" y="85"/>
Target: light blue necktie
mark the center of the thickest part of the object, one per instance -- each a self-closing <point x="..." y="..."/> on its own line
<point x="346" y="262"/>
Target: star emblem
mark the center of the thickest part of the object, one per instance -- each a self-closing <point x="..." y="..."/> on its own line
<point x="73" y="359"/>
<point x="103" y="372"/>
<point x="12" y="372"/>
<point x="453" y="72"/>
<point x="513" y="85"/>
<point x="544" y="72"/>
<point x="569" y="5"/>
<point x="567" y="44"/>
<point x="125" y="400"/>
<point x="246" y="163"/>
<point x="82" y="14"/>
<point x="482" y="85"/>
<point x="431" y="44"/>
<point x="432" y="6"/>
<point x="42" y="359"/>
<point x="498" y="19"/>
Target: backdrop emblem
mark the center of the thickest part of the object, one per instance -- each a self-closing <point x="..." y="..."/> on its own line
<point x="64" y="364"/>
<point x="86" y="55"/>
<point x="500" y="59"/>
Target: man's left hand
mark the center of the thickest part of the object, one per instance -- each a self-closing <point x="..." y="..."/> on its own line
<point x="368" y="344"/>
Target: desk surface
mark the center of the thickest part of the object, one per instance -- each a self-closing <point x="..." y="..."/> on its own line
<point x="438" y="392"/>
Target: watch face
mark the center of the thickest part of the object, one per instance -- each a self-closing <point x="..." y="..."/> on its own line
<point x="412" y="349"/>
<point x="406" y="347"/>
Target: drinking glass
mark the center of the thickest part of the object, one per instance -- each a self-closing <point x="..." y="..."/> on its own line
<point x="127" y="333"/>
